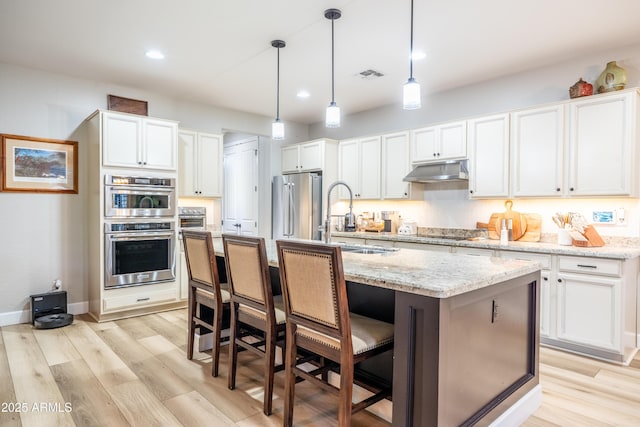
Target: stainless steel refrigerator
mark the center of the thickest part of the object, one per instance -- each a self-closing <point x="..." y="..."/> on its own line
<point x="296" y="208"/>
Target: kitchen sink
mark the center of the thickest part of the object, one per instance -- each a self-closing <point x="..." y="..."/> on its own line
<point x="363" y="249"/>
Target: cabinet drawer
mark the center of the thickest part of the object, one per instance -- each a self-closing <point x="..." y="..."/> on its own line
<point x="141" y="299"/>
<point x="543" y="259"/>
<point x="422" y="246"/>
<point x="378" y="242"/>
<point x="472" y="251"/>
<point x="604" y="267"/>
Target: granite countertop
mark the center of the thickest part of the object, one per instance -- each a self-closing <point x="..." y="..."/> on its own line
<point x="428" y="273"/>
<point x="620" y="248"/>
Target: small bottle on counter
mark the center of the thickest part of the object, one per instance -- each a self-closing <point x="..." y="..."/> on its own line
<point x="504" y="233"/>
<point x="510" y="229"/>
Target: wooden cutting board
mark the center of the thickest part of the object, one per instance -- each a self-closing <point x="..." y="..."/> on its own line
<point x="518" y="220"/>
<point x="534" y="224"/>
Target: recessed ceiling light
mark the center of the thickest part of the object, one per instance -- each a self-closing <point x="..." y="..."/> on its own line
<point x="417" y="55"/>
<point x="154" y="54"/>
<point x="303" y="94"/>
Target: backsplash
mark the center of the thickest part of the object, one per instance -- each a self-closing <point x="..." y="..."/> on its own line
<point x="453" y="210"/>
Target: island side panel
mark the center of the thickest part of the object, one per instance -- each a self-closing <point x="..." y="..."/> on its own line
<point x="416" y="359"/>
<point x="465" y="360"/>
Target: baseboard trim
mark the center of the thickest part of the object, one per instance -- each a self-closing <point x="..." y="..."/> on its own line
<point x="521" y="410"/>
<point x="24" y="316"/>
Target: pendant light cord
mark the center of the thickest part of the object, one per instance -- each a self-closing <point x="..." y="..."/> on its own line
<point x="411" y="46"/>
<point x="332" y="66"/>
<point x="278" y="88"/>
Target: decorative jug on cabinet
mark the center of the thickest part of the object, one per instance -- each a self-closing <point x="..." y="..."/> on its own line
<point x="612" y="78"/>
<point x="580" y="88"/>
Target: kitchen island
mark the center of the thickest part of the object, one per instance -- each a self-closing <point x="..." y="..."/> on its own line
<point x="466" y="333"/>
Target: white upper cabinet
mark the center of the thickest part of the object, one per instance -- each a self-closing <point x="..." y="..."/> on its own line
<point x="396" y="165"/>
<point x="305" y="157"/>
<point x="537" y="145"/>
<point x="200" y="164"/>
<point x="359" y="166"/>
<point x="488" y="139"/>
<point x="442" y="142"/>
<point x="141" y="142"/>
<point x="602" y="145"/>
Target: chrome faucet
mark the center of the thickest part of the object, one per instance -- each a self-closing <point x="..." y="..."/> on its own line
<point x="327" y="222"/>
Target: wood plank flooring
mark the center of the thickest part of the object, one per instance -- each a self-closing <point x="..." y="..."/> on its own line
<point x="134" y="372"/>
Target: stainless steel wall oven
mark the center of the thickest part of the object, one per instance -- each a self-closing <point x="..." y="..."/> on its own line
<point x="132" y="196"/>
<point x="139" y="253"/>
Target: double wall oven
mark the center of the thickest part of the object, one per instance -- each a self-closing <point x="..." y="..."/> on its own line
<point x="139" y="230"/>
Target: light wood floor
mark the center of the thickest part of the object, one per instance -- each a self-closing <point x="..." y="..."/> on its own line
<point x="134" y="372"/>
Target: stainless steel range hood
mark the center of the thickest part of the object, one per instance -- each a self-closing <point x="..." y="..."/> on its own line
<point x="452" y="170"/>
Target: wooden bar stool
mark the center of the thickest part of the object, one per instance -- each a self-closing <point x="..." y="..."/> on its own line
<point x="318" y="321"/>
<point x="257" y="318"/>
<point x="204" y="290"/>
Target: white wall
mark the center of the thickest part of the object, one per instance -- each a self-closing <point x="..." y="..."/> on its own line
<point x="446" y="207"/>
<point x="43" y="236"/>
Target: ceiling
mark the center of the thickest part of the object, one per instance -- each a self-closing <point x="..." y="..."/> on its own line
<point x="218" y="52"/>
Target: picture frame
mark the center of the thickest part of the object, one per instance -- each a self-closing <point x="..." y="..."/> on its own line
<point x="38" y="165"/>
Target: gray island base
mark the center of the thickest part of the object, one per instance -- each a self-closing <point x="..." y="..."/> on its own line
<point x="466" y="333"/>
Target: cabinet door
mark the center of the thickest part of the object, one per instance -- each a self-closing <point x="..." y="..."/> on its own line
<point x="453" y="140"/>
<point x="396" y="165"/>
<point x="489" y="156"/>
<point x="122" y="138"/>
<point x="348" y="167"/>
<point x="545" y="305"/>
<point x="289" y="159"/>
<point x="537" y="143"/>
<point x="442" y="142"/>
<point x="369" y="168"/>
<point x="311" y="156"/>
<point x="209" y="165"/>
<point x="424" y="144"/>
<point x="186" y="169"/>
<point x="159" y="150"/>
<point x="589" y="310"/>
<point x="601" y="146"/>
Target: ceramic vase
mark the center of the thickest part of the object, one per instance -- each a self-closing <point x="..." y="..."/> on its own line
<point x="612" y="78"/>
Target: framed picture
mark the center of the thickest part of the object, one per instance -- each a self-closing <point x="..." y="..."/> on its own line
<point x="39" y="165"/>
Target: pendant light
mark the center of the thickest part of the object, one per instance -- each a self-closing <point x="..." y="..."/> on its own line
<point x="277" y="127"/>
<point x="411" y="90"/>
<point x="332" y="119"/>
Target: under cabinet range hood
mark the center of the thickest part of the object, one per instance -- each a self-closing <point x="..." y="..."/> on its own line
<point x="452" y="170"/>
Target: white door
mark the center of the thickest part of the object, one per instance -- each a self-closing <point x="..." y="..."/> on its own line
<point x="240" y="200"/>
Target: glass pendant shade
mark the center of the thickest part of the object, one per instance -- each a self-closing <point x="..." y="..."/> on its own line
<point x="277" y="127"/>
<point x="277" y="130"/>
<point x="411" y="95"/>
<point x="332" y="119"/>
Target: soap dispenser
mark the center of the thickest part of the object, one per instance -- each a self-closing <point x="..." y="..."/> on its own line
<point x="504" y="233"/>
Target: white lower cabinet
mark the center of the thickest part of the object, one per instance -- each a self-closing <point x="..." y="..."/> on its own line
<point x="587" y="305"/>
<point x="589" y="311"/>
